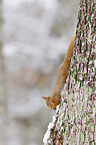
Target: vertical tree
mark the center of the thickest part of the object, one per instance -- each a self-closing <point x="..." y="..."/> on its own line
<point x="74" y="122"/>
<point x="3" y="129"/>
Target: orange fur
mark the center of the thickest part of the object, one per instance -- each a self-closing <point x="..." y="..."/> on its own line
<point x="54" y="99"/>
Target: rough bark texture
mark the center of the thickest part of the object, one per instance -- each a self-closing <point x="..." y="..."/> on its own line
<point x="75" y="119"/>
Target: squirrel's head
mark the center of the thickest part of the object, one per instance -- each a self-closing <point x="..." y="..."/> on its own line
<point x="48" y="101"/>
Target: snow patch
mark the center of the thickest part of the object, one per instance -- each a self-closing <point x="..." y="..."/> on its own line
<point x="47" y="135"/>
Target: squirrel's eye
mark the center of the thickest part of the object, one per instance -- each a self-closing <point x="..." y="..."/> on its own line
<point x="48" y="104"/>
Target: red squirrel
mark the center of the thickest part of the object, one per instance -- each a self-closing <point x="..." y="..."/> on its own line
<point x="54" y="99"/>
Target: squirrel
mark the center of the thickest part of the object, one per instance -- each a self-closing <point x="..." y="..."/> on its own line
<point x="54" y="99"/>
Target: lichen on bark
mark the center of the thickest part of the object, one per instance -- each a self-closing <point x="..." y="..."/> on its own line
<point x="74" y="122"/>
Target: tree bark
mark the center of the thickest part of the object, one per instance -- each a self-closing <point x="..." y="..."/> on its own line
<point x="75" y="119"/>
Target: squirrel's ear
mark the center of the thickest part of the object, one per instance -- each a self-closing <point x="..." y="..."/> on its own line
<point x="44" y="97"/>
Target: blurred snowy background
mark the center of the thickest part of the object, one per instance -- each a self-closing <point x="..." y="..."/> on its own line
<point x="36" y="38"/>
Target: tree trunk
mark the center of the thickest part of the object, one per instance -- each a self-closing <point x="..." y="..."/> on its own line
<point x="3" y="128"/>
<point x="74" y="122"/>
